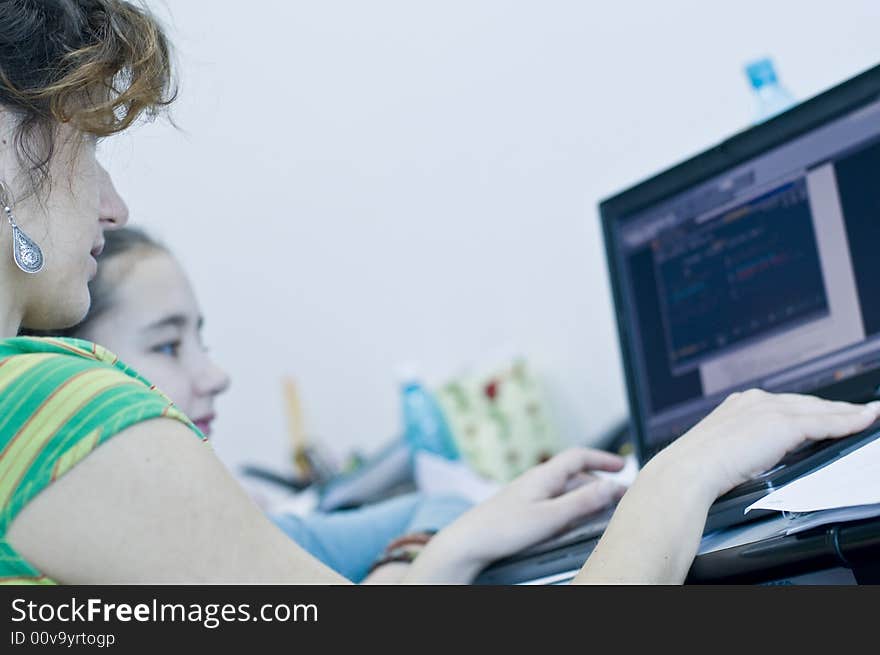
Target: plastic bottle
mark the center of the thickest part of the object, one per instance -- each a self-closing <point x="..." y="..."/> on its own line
<point x="772" y="98"/>
<point x="425" y="427"/>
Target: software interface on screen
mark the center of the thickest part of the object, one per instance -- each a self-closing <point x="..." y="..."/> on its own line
<point x="767" y="275"/>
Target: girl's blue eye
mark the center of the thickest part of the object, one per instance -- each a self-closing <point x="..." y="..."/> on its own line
<point x="170" y="349"/>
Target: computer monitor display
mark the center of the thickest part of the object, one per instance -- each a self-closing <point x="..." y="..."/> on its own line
<point x="755" y="264"/>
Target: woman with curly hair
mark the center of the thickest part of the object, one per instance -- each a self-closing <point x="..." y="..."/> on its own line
<point x="103" y="480"/>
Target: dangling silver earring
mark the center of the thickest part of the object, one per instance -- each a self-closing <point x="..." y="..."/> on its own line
<point x="27" y="253"/>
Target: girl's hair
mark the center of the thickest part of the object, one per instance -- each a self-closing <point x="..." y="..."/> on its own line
<point x="96" y="65"/>
<point x="125" y="241"/>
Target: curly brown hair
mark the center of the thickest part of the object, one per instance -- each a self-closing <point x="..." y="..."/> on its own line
<point x="96" y="65"/>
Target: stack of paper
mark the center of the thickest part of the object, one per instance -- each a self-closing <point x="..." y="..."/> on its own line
<point x="803" y="522"/>
<point x="846" y="490"/>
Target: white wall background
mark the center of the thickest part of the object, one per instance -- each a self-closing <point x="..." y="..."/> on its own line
<point x="356" y="184"/>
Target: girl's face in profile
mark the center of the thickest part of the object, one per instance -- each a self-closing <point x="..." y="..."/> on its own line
<point x="154" y="325"/>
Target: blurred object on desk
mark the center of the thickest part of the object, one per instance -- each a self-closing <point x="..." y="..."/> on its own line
<point x="384" y="475"/>
<point x="270" y="488"/>
<point x="425" y="427"/>
<point x="438" y="476"/>
<point x="625" y="476"/>
<point x="309" y="465"/>
<point x="499" y="419"/>
<point x="617" y="438"/>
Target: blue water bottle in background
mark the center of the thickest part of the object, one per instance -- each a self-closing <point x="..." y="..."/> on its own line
<point x="772" y="97"/>
<point x="425" y="427"/>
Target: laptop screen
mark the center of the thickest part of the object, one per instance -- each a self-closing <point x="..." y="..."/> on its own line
<point x="764" y="272"/>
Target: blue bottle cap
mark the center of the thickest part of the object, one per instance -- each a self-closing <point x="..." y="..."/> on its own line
<point x="761" y="72"/>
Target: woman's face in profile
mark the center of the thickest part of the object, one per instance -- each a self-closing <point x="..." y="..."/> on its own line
<point x="67" y="216"/>
<point x="153" y="324"/>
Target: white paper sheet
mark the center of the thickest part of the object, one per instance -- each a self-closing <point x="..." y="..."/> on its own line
<point x="854" y="479"/>
<point x="802" y="522"/>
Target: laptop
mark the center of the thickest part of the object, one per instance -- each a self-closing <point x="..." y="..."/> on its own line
<point x="755" y="263"/>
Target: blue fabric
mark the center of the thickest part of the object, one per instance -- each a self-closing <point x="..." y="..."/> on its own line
<point x="350" y="541"/>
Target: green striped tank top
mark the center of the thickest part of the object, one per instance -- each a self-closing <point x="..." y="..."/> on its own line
<point x="60" y="399"/>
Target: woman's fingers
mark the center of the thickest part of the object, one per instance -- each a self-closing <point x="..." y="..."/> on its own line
<point x="815" y="418"/>
<point x="577" y="460"/>
<point x="578" y="480"/>
<point x="752" y="430"/>
<point x="583" y="501"/>
<point x="818" y="425"/>
<point x="793" y="402"/>
<point x="555" y="475"/>
<point x="803" y="404"/>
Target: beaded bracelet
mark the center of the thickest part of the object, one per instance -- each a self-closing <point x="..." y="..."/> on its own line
<point x="401" y="555"/>
<point x="414" y="538"/>
<point x="397" y="550"/>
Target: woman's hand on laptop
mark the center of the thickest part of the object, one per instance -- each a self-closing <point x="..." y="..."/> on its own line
<point x="656" y="529"/>
<point x="540" y="503"/>
<point x="751" y="431"/>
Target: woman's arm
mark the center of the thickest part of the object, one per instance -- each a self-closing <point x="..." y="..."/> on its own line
<point x="155" y="505"/>
<point x="656" y="529"/>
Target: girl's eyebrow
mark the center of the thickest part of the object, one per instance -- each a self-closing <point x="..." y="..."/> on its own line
<point x="174" y="320"/>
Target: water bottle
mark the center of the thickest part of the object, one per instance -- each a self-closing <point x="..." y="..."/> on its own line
<point x="772" y="98"/>
<point x="425" y="427"/>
